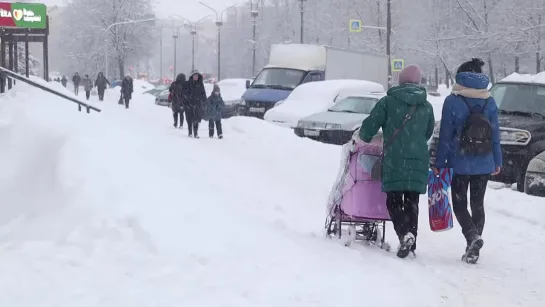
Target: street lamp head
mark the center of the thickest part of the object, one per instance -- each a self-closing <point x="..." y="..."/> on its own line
<point x="219" y="23"/>
<point x="193" y="32"/>
<point x="254" y="14"/>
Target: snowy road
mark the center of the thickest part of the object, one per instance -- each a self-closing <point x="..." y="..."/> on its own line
<point x="121" y="209"/>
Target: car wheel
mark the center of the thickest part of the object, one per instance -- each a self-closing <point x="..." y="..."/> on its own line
<point x="521" y="181"/>
<point x="534" y="181"/>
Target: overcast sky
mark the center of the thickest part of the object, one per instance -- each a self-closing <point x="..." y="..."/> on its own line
<point x="190" y="9"/>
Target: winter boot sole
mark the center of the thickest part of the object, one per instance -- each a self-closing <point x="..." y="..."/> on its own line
<point x="405" y="248"/>
<point x="472" y="254"/>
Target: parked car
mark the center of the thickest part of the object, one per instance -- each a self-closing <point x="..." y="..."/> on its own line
<point x="313" y="97"/>
<point x="157" y="90"/>
<point x="521" y="104"/>
<point x="162" y="99"/>
<point x="231" y="92"/>
<point x="338" y="123"/>
<point x="534" y="183"/>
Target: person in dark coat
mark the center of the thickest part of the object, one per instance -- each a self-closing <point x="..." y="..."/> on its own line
<point x="406" y="158"/>
<point x="214" y="106"/>
<point x="76" y="79"/>
<point x="471" y="171"/>
<point x="101" y="83"/>
<point x="195" y="103"/>
<point x="64" y="81"/>
<point x="87" y="86"/>
<point x="126" y="91"/>
<point x="179" y="96"/>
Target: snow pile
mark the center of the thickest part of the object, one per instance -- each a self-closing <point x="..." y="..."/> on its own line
<point x="313" y="97"/>
<point x="120" y="209"/>
<point x="232" y="89"/>
<point x="140" y="86"/>
<point x="526" y="78"/>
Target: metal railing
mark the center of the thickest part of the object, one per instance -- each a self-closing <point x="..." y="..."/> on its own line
<point x="6" y="73"/>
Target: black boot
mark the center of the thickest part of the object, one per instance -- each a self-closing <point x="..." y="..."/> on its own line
<point x="196" y="130"/>
<point x="473" y="250"/>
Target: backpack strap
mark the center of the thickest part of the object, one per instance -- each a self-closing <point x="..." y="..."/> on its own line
<point x="471" y="109"/>
<point x="396" y="132"/>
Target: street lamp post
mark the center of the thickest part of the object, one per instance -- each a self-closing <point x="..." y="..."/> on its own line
<point x="106" y="39"/>
<point x="175" y="34"/>
<point x="302" y="7"/>
<point x="219" y="24"/>
<point x="193" y="33"/>
<point x="254" y="13"/>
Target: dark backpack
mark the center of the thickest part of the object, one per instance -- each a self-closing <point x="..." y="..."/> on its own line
<point x="476" y="138"/>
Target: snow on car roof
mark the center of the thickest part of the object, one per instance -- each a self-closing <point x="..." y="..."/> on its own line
<point x="525" y="78"/>
<point x="330" y="89"/>
<point x="317" y="96"/>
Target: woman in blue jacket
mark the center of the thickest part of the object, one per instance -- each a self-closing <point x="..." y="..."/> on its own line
<point x="472" y="168"/>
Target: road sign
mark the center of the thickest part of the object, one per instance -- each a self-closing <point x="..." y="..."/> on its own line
<point x="398" y="65"/>
<point x="355" y="25"/>
<point x="23" y="15"/>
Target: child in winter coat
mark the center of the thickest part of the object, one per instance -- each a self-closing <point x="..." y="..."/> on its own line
<point x="214" y="106"/>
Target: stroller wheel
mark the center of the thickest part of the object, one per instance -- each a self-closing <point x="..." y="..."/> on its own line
<point x="350" y="236"/>
<point x="377" y="235"/>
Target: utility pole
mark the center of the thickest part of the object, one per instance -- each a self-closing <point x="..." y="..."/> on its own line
<point x="302" y="19"/>
<point x="219" y="24"/>
<point x="175" y="35"/>
<point x="388" y="40"/>
<point x="161" y="56"/>
<point x="254" y="13"/>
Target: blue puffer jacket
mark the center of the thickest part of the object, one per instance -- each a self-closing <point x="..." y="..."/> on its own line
<point x="455" y="114"/>
<point x="214" y="106"/>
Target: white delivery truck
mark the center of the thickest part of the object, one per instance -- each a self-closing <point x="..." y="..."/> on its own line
<point x="293" y="64"/>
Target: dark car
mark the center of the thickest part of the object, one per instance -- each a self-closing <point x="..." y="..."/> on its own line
<point x="522" y="126"/>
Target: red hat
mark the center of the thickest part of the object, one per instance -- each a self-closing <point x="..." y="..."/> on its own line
<point x="410" y="74"/>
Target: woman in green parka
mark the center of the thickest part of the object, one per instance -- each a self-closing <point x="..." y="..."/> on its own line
<point x="406" y="159"/>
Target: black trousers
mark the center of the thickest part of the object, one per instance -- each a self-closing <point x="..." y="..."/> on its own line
<point x="472" y="224"/>
<point x="176" y="115"/>
<point x="100" y="94"/>
<point x="76" y="89"/>
<point x="127" y="100"/>
<point x="87" y="94"/>
<point x="211" y="127"/>
<point x="403" y="209"/>
<point x="193" y="119"/>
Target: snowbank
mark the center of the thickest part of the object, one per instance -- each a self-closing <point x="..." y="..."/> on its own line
<point x="140" y="86"/>
<point x="232" y="89"/>
<point x="120" y="209"/>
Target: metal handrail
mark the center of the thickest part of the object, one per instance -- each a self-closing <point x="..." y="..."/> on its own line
<point x="21" y="78"/>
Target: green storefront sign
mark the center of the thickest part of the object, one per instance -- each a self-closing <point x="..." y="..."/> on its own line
<point x="23" y="15"/>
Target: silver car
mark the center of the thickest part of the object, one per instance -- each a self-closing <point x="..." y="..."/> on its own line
<point x="162" y="99"/>
<point x="338" y="123"/>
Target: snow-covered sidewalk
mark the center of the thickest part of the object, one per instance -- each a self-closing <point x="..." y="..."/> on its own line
<point x="121" y="209"/>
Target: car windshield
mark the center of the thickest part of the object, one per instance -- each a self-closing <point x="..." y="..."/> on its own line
<point x="362" y="105"/>
<point x="519" y="98"/>
<point x="279" y="78"/>
<point x="162" y="87"/>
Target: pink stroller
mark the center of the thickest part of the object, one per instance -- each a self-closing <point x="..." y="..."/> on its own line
<point x="356" y="201"/>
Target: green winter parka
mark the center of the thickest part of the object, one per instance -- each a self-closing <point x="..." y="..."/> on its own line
<point x="406" y="160"/>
